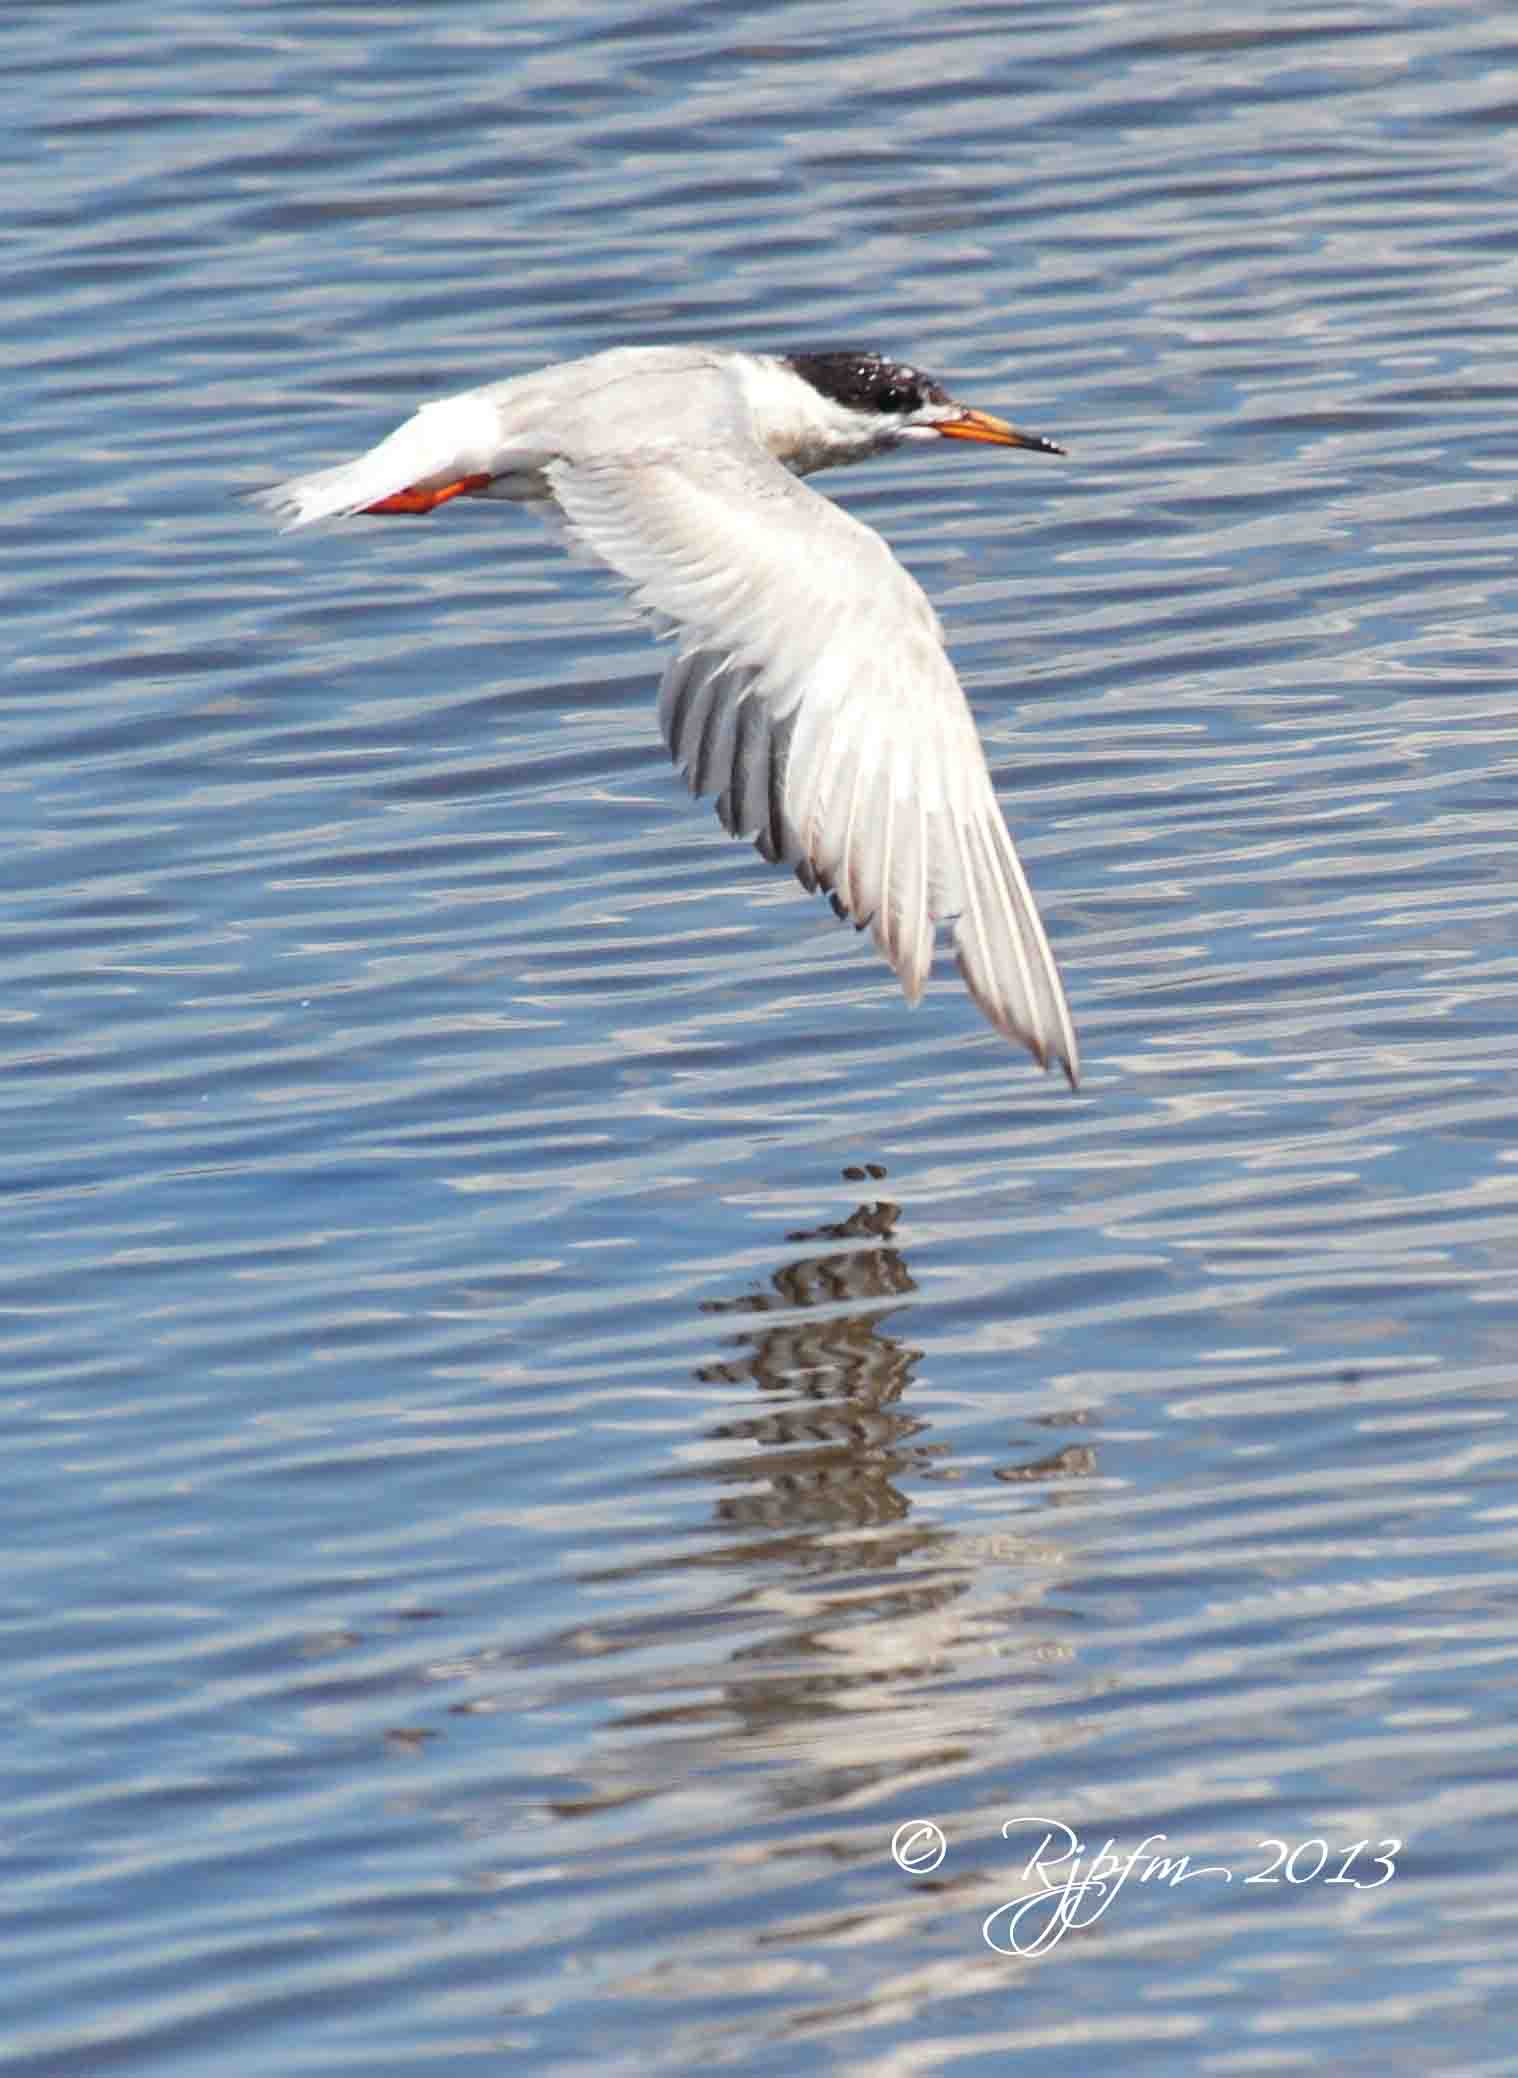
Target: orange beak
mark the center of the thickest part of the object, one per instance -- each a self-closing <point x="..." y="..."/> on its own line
<point x="979" y="425"/>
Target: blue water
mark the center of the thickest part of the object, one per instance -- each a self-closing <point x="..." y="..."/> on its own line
<point x="547" y="1413"/>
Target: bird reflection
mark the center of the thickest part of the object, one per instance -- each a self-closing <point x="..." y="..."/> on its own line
<point x="831" y="1434"/>
<point x="834" y="1436"/>
<point x="861" y="1639"/>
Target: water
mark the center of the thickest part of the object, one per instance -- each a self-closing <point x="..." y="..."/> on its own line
<point x="548" y="1414"/>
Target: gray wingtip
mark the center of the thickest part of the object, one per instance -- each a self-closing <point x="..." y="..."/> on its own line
<point x="1050" y="1048"/>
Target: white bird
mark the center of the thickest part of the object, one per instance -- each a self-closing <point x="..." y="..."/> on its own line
<point x="810" y="689"/>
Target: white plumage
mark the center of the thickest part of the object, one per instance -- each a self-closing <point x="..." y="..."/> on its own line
<point x="810" y="689"/>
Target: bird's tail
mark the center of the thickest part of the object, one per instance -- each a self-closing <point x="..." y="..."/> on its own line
<point x="326" y="493"/>
<point x="442" y="447"/>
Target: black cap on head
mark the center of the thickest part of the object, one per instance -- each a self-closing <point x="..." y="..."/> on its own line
<point x="867" y="382"/>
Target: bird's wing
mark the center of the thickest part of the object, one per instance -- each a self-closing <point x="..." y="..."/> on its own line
<point x="811" y="692"/>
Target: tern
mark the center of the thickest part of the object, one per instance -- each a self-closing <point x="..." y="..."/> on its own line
<point x="810" y="689"/>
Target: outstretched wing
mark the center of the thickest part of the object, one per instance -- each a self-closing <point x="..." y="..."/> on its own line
<point x="811" y="693"/>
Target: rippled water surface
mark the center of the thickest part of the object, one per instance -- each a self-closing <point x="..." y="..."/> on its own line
<point x="547" y="1413"/>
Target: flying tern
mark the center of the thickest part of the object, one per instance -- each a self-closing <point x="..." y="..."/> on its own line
<point x="809" y="690"/>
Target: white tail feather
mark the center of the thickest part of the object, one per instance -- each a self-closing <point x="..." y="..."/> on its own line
<point x="455" y="437"/>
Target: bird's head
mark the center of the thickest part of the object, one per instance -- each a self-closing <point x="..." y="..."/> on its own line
<point x="839" y="406"/>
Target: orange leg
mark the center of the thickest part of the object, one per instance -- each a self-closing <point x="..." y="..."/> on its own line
<point x="429" y="501"/>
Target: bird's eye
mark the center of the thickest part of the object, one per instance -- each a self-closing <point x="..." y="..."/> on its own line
<point x="893" y="398"/>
